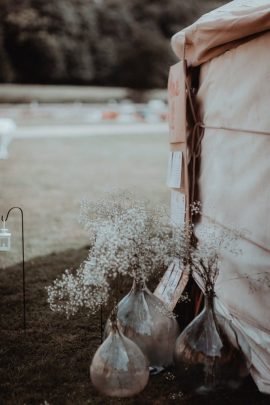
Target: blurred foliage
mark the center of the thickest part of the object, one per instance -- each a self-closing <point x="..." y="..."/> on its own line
<point x="102" y="42"/>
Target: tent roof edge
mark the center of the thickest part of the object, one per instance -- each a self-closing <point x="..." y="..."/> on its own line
<point x="221" y="29"/>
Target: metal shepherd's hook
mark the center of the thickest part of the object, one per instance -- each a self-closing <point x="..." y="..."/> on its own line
<point x="23" y="266"/>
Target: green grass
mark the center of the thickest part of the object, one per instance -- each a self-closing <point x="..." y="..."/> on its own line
<point x="51" y="360"/>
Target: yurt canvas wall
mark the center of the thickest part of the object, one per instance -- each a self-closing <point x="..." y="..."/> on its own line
<point x="230" y="50"/>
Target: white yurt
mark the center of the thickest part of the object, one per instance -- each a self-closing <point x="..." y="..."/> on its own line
<point x="225" y="65"/>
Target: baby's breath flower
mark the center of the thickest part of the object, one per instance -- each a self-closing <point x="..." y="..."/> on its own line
<point x="127" y="238"/>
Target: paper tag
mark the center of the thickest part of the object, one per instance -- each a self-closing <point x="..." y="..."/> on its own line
<point x="174" y="169"/>
<point x="172" y="284"/>
<point x="178" y="208"/>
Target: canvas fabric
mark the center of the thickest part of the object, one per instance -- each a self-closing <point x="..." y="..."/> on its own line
<point x="235" y="189"/>
<point x="221" y="29"/>
<point x="231" y="45"/>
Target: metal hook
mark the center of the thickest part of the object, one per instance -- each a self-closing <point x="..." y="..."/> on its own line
<point x="23" y="265"/>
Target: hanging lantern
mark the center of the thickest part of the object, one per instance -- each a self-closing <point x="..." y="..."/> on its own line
<point x="144" y="319"/>
<point x="205" y="358"/>
<point x="5" y="237"/>
<point x="119" y="368"/>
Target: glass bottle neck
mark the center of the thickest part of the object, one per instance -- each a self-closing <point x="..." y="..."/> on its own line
<point x="209" y="302"/>
<point x="138" y="284"/>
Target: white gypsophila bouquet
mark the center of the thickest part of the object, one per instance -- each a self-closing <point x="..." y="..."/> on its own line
<point x="127" y="238"/>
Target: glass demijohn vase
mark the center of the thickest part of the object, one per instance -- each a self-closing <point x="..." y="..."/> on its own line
<point x="119" y="368"/>
<point x="204" y="356"/>
<point x="144" y="319"/>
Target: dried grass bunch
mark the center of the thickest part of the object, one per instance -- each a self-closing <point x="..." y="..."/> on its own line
<point x="211" y="242"/>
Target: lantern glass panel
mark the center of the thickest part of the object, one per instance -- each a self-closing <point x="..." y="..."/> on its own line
<point x="4" y="240"/>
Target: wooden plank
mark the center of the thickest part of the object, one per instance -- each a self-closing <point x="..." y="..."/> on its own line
<point x="177" y="103"/>
<point x="172" y="284"/>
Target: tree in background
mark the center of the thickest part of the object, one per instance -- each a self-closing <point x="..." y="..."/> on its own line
<point x="104" y="42"/>
<point x="50" y="41"/>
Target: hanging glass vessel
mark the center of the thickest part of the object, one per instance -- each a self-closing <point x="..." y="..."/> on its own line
<point x="204" y="356"/>
<point x="144" y="319"/>
<point x="119" y="368"/>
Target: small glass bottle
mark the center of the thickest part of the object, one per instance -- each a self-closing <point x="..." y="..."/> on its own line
<point x="119" y="368"/>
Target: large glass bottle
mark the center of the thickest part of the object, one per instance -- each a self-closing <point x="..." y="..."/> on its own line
<point x="144" y="319"/>
<point x="205" y="357"/>
<point x="119" y="368"/>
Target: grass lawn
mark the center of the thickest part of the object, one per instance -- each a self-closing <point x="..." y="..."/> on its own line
<point x="48" y="177"/>
<point x="51" y="361"/>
